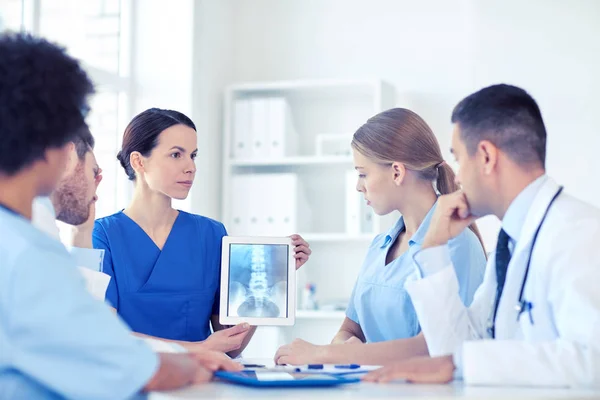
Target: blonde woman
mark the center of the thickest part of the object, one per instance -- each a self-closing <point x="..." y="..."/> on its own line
<point x="400" y="167"/>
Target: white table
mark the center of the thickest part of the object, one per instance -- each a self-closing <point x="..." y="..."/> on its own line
<point x="221" y="390"/>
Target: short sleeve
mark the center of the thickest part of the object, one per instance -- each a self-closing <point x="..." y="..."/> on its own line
<point x="221" y="233"/>
<point x="100" y="241"/>
<point x="351" y="310"/>
<point x="469" y="263"/>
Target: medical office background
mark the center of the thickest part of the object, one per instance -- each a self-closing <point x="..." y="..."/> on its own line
<point x="333" y="63"/>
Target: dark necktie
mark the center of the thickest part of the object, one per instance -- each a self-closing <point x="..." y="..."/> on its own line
<point x="502" y="260"/>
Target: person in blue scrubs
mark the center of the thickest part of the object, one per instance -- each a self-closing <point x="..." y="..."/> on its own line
<point x="165" y="263"/>
<point x="56" y="341"/>
<point x="400" y="167"/>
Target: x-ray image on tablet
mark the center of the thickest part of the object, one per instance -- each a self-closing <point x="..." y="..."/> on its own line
<point x="258" y="276"/>
<point x="257" y="281"/>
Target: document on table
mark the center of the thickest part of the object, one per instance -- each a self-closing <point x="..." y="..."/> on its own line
<point x="328" y="369"/>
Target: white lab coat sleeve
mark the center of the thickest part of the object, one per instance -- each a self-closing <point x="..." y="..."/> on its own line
<point x="557" y="363"/>
<point x="444" y="319"/>
<point x="572" y="273"/>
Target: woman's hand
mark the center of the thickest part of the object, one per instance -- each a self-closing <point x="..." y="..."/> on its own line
<point x="302" y="250"/>
<point x="226" y="340"/>
<point x="300" y="352"/>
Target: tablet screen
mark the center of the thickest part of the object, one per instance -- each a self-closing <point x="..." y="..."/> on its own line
<point x="258" y="280"/>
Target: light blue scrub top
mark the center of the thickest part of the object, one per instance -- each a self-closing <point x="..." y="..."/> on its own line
<point x="57" y="341"/>
<point x="381" y="305"/>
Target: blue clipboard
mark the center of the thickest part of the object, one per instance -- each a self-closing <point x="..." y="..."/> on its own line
<point x="283" y="379"/>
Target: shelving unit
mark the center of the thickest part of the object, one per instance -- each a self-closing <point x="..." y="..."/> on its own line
<point x="293" y="161"/>
<point x="336" y="237"/>
<point x="315" y="109"/>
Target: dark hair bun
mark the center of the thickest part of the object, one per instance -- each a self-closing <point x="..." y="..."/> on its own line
<point x="142" y="133"/>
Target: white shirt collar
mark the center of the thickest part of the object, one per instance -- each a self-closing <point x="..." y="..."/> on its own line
<point x="513" y="220"/>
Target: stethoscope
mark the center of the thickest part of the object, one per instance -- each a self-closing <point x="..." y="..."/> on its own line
<point x="524" y="305"/>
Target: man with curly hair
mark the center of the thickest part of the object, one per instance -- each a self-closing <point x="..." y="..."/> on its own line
<point x="56" y="341"/>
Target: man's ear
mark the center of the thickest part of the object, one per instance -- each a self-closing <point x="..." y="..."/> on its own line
<point x="72" y="159"/>
<point x="399" y="171"/>
<point x="488" y="156"/>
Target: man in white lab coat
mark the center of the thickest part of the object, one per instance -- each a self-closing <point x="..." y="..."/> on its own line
<point x="535" y="320"/>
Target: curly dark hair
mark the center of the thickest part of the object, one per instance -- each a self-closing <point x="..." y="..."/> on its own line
<point x="43" y="99"/>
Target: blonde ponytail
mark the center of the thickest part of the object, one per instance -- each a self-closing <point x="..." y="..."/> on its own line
<point x="401" y="135"/>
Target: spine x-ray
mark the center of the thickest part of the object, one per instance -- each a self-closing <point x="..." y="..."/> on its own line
<point x="258" y="280"/>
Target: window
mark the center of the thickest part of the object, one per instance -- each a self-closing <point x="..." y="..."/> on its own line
<point x="96" y="32"/>
<point x="11" y="15"/>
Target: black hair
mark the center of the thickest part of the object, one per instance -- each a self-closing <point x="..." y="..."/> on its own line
<point x="142" y="133"/>
<point x="43" y="99"/>
<point x="84" y="142"/>
<point x="508" y="117"/>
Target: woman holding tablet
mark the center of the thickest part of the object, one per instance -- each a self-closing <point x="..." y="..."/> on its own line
<point x="165" y="263"/>
<point x="397" y="158"/>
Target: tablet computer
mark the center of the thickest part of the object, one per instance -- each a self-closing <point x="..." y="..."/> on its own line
<point x="282" y="379"/>
<point x="258" y="281"/>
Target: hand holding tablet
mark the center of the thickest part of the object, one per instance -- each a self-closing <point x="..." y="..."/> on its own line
<point x="226" y="340"/>
<point x="258" y="281"/>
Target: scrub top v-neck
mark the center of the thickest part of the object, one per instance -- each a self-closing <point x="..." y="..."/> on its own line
<point x="380" y="303"/>
<point x="169" y="293"/>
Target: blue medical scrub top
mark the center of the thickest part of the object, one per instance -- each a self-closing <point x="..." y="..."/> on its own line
<point x="57" y="341"/>
<point x="170" y="293"/>
<point x="381" y="305"/>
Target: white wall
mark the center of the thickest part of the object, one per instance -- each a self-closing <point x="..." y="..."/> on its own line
<point x="433" y="51"/>
<point x="162" y="60"/>
<point x="552" y="49"/>
<point x="163" y="54"/>
<point x="212" y="71"/>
